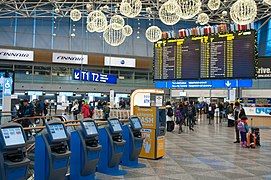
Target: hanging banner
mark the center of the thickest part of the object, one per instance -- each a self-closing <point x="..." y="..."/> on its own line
<point x="70" y="58"/>
<point x="17" y="55"/>
<point x="159" y="101"/>
<point x="119" y="61"/>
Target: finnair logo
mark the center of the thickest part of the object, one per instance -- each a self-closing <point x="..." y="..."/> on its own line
<point x="14" y="54"/>
<point x="18" y="55"/>
<point x="70" y="58"/>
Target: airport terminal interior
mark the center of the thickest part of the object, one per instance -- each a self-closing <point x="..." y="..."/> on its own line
<point x="135" y="89"/>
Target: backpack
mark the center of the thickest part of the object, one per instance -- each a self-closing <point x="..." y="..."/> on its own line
<point x="190" y="112"/>
<point x="170" y="112"/>
<point x="241" y="126"/>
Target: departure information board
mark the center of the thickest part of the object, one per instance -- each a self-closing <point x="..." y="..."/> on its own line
<point x="206" y="57"/>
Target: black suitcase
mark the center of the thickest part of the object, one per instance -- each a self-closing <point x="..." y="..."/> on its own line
<point x="170" y="126"/>
<point x="256" y="131"/>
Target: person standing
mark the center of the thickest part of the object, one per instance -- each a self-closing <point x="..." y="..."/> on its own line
<point x="106" y="111"/>
<point x="238" y="112"/>
<point x="191" y="113"/>
<point x="75" y="109"/>
<point x="180" y="116"/>
<point x="85" y="110"/>
<point x="169" y="118"/>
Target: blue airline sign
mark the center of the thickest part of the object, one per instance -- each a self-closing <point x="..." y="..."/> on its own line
<point x="94" y="77"/>
<point x="231" y="83"/>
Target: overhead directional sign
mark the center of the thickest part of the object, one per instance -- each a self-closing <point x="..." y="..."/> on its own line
<point x="231" y="83"/>
<point x="94" y="77"/>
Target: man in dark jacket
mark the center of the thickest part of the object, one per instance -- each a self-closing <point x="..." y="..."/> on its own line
<point x="238" y="113"/>
<point x="191" y="113"/>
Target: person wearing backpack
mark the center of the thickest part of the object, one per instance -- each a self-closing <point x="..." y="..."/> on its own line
<point x="191" y="113"/>
<point x="169" y="118"/>
<point x="238" y="113"/>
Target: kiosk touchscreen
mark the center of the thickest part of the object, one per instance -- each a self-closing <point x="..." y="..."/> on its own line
<point x="135" y="123"/>
<point x="13" y="136"/>
<point x="90" y="128"/>
<point x="115" y="125"/>
<point x="57" y="132"/>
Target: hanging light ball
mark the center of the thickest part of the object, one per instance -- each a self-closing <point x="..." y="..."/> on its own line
<point x="112" y="36"/>
<point x="267" y="2"/>
<point x="130" y="8"/>
<point x="170" y="17"/>
<point x="203" y="18"/>
<point x="243" y="11"/>
<point x="117" y="19"/>
<point x="75" y="15"/>
<point x="127" y="30"/>
<point x="153" y="33"/>
<point x="214" y="4"/>
<point x="90" y="27"/>
<point x="224" y="13"/>
<point x="98" y="19"/>
<point x="189" y="8"/>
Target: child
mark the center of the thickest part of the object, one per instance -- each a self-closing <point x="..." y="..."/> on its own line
<point x="243" y="128"/>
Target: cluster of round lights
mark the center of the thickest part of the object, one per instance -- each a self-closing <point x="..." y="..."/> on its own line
<point x="130" y="8"/>
<point x="96" y="21"/>
<point x="169" y="12"/>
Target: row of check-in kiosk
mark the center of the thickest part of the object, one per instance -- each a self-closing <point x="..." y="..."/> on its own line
<point x="62" y="153"/>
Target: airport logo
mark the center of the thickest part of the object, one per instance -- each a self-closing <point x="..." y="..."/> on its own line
<point x="17" y="55"/>
<point x="119" y="61"/>
<point x="70" y="58"/>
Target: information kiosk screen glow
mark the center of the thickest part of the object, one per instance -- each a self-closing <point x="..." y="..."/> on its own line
<point x="136" y="123"/>
<point x="115" y="125"/>
<point x="90" y="128"/>
<point x="57" y="131"/>
<point x="13" y="136"/>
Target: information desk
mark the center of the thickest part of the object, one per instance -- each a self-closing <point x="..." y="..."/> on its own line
<point x="13" y="161"/>
<point x="259" y="115"/>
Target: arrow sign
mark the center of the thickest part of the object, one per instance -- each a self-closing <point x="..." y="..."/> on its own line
<point x="228" y="84"/>
<point x="76" y="75"/>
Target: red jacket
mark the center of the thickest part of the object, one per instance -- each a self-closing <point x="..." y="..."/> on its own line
<point x="85" y="111"/>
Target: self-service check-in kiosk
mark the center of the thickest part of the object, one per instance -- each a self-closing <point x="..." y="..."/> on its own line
<point x="13" y="161"/>
<point x="153" y="120"/>
<point x="112" y="148"/>
<point x="134" y="140"/>
<point x="85" y="150"/>
<point x="52" y="153"/>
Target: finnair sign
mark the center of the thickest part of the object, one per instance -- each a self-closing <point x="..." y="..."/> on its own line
<point x="17" y="55"/>
<point x="70" y="58"/>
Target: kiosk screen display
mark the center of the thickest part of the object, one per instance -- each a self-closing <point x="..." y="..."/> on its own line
<point x="115" y="125"/>
<point x="136" y="123"/>
<point x="90" y="128"/>
<point x="57" y="131"/>
<point x="13" y="136"/>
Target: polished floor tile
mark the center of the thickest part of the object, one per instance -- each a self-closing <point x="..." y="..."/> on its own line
<point x="205" y="154"/>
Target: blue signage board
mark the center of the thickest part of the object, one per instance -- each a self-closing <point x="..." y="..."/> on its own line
<point x="231" y="83"/>
<point x="94" y="77"/>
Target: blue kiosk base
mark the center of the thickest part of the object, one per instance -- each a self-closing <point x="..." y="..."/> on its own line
<point x="106" y="152"/>
<point x="134" y="164"/>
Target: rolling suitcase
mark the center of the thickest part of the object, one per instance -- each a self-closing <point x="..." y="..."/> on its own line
<point x="256" y="132"/>
<point x="251" y="140"/>
<point x="170" y="126"/>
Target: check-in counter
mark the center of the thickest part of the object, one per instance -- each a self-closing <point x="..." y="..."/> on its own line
<point x="259" y="115"/>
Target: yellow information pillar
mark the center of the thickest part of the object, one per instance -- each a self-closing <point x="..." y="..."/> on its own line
<point x="153" y="120"/>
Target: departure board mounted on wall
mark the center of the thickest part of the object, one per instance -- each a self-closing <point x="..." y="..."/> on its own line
<point x="220" y="56"/>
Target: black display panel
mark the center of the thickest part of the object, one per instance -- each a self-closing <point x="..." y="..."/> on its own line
<point x="219" y="56"/>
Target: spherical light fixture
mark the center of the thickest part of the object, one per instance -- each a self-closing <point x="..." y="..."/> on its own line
<point x="224" y="13"/>
<point x="170" y="17"/>
<point x="117" y="19"/>
<point x="153" y="33"/>
<point x="130" y="8"/>
<point x="203" y="18"/>
<point x="267" y="2"/>
<point x="189" y="8"/>
<point x="214" y="4"/>
<point x="112" y="36"/>
<point x="75" y="15"/>
<point x="98" y="19"/>
<point x="243" y="11"/>
<point x="127" y="30"/>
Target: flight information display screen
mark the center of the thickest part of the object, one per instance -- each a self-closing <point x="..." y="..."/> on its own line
<point x="57" y="131"/>
<point x="90" y="128"/>
<point x="115" y="124"/>
<point x="206" y="57"/>
<point x="13" y="136"/>
<point x="136" y="123"/>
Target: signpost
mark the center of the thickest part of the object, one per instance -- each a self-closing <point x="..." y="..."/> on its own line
<point x="94" y="77"/>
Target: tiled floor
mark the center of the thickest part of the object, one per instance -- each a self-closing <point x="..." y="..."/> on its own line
<point x="207" y="153"/>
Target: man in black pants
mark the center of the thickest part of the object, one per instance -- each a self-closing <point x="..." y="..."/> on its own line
<point x="238" y="113"/>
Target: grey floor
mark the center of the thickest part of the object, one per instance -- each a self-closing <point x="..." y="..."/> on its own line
<point x="207" y="153"/>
